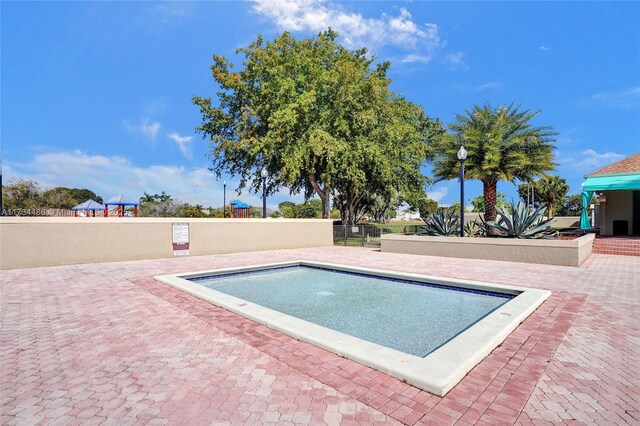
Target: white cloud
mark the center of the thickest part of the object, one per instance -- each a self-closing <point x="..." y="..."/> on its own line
<point x="356" y="31"/>
<point x="456" y="60"/>
<point x="108" y="176"/>
<point x="588" y="160"/>
<point x="591" y="159"/>
<point x="491" y="85"/>
<point x="628" y="98"/>
<point x="150" y="130"/>
<point x="147" y="129"/>
<point x="438" y="194"/>
<point x="184" y="144"/>
<point x="545" y="48"/>
<point x="415" y="58"/>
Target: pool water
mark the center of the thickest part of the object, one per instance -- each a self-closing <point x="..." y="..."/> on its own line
<point x="408" y="316"/>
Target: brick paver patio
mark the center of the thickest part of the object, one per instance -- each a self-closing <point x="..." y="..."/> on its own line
<point x="105" y="343"/>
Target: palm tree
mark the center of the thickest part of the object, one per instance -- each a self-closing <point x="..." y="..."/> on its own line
<point x="550" y="189"/>
<point x="147" y="198"/>
<point x="501" y="144"/>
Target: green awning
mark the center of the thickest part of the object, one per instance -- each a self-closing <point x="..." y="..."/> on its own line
<point x="612" y="182"/>
<point x="604" y="183"/>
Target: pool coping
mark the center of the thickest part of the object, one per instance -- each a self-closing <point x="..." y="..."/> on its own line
<point x="437" y="373"/>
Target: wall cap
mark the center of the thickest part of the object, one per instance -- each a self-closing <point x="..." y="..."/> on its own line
<point x="585" y="239"/>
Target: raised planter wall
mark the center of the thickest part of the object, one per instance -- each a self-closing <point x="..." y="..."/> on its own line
<point x="551" y="252"/>
<point x="27" y="242"/>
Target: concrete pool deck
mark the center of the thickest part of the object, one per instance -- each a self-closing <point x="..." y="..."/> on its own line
<point x="106" y="342"/>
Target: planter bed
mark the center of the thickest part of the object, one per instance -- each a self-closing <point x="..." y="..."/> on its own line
<point x="564" y="252"/>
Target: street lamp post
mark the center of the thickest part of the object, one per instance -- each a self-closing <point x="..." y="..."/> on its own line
<point x="224" y="199"/>
<point x="264" y="174"/>
<point x="462" y="155"/>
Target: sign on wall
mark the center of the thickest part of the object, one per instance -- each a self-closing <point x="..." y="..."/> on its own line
<point x="180" y="239"/>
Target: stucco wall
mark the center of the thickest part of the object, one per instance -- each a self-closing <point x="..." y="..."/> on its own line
<point x="618" y="206"/>
<point x="30" y="242"/>
<point x="565" y="222"/>
<point x="551" y="252"/>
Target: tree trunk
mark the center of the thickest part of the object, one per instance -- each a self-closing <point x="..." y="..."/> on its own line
<point x="324" y="194"/>
<point x="326" y="204"/>
<point x="350" y="215"/>
<point x="550" y="205"/>
<point x="490" y="196"/>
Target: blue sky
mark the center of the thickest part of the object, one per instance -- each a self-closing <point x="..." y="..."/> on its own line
<point x="98" y="94"/>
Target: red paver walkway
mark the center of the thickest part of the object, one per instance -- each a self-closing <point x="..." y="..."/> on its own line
<point x="105" y="343"/>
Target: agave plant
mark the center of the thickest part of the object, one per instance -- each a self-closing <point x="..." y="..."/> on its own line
<point x="475" y="228"/>
<point x="444" y="223"/>
<point x="521" y="221"/>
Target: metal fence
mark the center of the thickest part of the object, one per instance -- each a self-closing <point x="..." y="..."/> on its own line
<point x="366" y="235"/>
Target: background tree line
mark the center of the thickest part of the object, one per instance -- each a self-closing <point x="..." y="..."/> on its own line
<point x="25" y="194"/>
<point x="322" y="120"/>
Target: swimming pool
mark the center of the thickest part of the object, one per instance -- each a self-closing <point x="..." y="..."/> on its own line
<point x="408" y="316"/>
<point x="428" y="331"/>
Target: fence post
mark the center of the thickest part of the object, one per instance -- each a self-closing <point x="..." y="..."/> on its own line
<point x="345" y="235"/>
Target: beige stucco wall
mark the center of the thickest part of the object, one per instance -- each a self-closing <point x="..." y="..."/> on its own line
<point x="618" y="206"/>
<point x="565" y="222"/>
<point x="30" y="242"/>
<point x="551" y="252"/>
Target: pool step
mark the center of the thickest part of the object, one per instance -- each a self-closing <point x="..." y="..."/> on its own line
<point x="617" y="246"/>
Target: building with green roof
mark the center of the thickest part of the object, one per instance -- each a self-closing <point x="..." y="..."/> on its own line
<point x="618" y="189"/>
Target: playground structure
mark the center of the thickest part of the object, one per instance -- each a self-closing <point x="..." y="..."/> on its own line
<point x="240" y="210"/>
<point x="89" y="207"/>
<point x="122" y="201"/>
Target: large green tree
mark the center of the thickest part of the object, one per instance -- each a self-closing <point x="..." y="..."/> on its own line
<point x="287" y="209"/>
<point x="308" y="209"/>
<point x="384" y="158"/>
<point x="62" y="197"/>
<point x="319" y="117"/>
<point x="502" y="144"/>
<point x="59" y="198"/>
<point x="82" y="194"/>
<point x="21" y="194"/>
<point x="382" y="207"/>
<point x="427" y="206"/>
